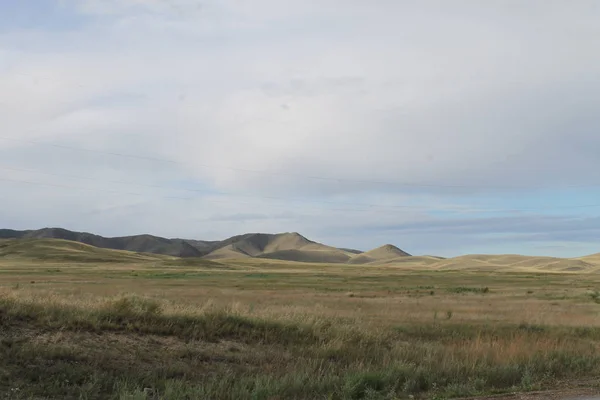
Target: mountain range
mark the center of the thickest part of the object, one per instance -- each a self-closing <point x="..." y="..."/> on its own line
<point x="289" y="246"/>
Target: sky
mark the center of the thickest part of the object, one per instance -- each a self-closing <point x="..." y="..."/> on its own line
<point x="444" y="128"/>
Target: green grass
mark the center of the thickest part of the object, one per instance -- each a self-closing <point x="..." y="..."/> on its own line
<point x="463" y="289"/>
<point x="142" y="316"/>
<point x="193" y="329"/>
<point x="194" y="262"/>
<point x="224" y="355"/>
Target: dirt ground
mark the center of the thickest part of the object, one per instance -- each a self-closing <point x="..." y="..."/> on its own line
<point x="588" y="390"/>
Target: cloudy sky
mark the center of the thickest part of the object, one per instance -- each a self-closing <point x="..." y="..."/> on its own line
<point x="444" y="127"/>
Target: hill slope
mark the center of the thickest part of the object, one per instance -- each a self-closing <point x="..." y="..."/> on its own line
<point x="592" y="258"/>
<point x="513" y="262"/>
<point x="383" y="253"/>
<point x="65" y="250"/>
<point x="310" y="256"/>
<point x="139" y="243"/>
<point x="285" y="246"/>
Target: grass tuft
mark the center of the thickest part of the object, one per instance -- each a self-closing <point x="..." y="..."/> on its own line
<point x="464" y="289"/>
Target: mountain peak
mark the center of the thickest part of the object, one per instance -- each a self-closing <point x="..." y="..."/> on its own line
<point x="383" y="253"/>
<point x="290" y="246"/>
<point x="391" y="248"/>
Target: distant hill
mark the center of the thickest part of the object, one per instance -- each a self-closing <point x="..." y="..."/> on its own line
<point x="139" y="243"/>
<point x="56" y="244"/>
<point x="65" y="250"/>
<point x="408" y="262"/>
<point x="592" y="258"/>
<point x="284" y="246"/>
<point x="333" y="257"/>
<point x="289" y="246"/>
<point x="515" y="262"/>
<point x="383" y="253"/>
<point x="353" y="251"/>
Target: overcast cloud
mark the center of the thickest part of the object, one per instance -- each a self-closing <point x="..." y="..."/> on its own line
<point x="441" y="127"/>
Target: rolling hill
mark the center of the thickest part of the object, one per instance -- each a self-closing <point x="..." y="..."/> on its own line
<point x="139" y="243"/>
<point x="513" y="262"/>
<point x="285" y="246"/>
<point x="383" y="253"/>
<point x="54" y="244"/>
<point x="65" y="250"/>
<point x="592" y="258"/>
<point x="290" y="246"/>
<point x="316" y="256"/>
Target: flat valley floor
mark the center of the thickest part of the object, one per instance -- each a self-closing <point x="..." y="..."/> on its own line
<point x="77" y="323"/>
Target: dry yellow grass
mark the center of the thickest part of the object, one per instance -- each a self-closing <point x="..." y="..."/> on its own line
<point x="272" y="329"/>
<point x="505" y="263"/>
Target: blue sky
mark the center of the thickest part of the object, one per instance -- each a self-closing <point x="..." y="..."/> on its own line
<point x="441" y="128"/>
<point x="39" y="15"/>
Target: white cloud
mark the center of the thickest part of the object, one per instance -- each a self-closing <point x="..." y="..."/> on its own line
<point x="424" y="93"/>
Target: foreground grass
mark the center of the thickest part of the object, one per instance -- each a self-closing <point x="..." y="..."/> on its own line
<point x="134" y="348"/>
<point x="256" y="329"/>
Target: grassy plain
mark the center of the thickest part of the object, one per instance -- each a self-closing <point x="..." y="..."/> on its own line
<point x="84" y="323"/>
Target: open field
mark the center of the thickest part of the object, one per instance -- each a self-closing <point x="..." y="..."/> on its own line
<point x="85" y="323"/>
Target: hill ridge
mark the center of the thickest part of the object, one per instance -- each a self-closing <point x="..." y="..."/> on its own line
<point x="386" y="252"/>
<point x="288" y="246"/>
<point x="144" y="243"/>
<point x="284" y="246"/>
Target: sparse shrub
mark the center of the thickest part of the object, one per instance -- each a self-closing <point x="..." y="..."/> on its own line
<point x="359" y="385"/>
<point x="464" y="289"/>
<point x="527" y="380"/>
<point x="531" y="328"/>
<point x="595" y="296"/>
<point x="419" y="382"/>
<point x="133" y="306"/>
<point x="449" y="314"/>
<point x="431" y="293"/>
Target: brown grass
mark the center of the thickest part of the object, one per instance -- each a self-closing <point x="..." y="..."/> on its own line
<point x="264" y="330"/>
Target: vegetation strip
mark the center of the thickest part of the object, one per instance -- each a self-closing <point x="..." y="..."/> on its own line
<point x="224" y="355"/>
